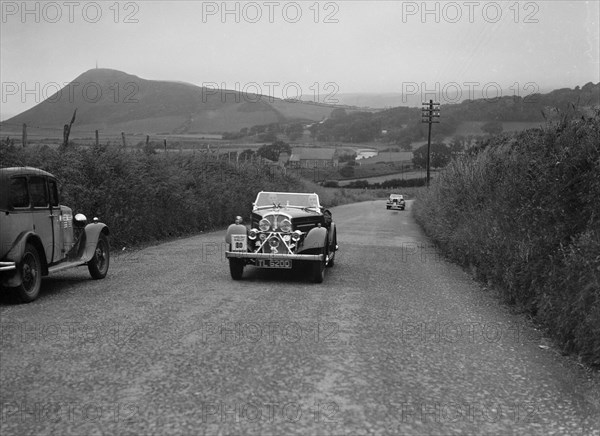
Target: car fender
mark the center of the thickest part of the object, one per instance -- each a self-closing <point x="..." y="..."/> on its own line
<point x="91" y="233"/>
<point x="15" y="254"/>
<point x="315" y="239"/>
<point x="332" y="233"/>
<point x="235" y="229"/>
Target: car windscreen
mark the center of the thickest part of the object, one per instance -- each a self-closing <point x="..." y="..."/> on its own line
<point x="287" y="199"/>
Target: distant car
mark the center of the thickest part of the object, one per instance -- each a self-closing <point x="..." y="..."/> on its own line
<point x="286" y="230"/>
<point x="38" y="236"/>
<point x="396" y="201"/>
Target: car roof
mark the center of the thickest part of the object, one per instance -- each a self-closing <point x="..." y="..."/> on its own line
<point x="5" y="173"/>
<point x="395" y="195"/>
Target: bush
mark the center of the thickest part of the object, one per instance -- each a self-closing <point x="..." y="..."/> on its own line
<point x="358" y="184"/>
<point x="523" y="212"/>
<point x="347" y="171"/>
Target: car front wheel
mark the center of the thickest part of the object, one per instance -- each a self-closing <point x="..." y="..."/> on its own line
<point x="98" y="265"/>
<point x="30" y="268"/>
<point x="318" y="267"/>
<point x="333" y="249"/>
<point x="236" y="268"/>
<point x="318" y="272"/>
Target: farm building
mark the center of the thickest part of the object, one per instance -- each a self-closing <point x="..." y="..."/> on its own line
<point x="313" y="158"/>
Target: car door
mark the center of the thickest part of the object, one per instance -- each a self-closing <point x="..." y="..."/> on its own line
<point x="58" y="225"/>
<point x="43" y="224"/>
<point x="16" y="219"/>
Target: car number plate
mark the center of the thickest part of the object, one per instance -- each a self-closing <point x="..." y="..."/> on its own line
<point x="274" y="263"/>
<point x="238" y="243"/>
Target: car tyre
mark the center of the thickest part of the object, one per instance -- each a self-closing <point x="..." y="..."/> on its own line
<point x="333" y="250"/>
<point x="236" y="268"/>
<point x="30" y="269"/>
<point x="318" y="268"/>
<point x="98" y="265"/>
<point x="318" y="272"/>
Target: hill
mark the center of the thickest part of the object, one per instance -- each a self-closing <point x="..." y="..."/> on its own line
<point x="515" y="113"/>
<point x="114" y="101"/>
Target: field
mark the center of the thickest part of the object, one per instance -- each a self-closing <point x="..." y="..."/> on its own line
<point x="403" y="176"/>
<point x="467" y="128"/>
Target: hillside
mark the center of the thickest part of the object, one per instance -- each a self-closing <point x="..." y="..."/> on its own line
<point x="114" y="101"/>
<point x="466" y="118"/>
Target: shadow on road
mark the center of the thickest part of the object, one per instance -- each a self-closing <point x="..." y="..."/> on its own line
<point x="53" y="285"/>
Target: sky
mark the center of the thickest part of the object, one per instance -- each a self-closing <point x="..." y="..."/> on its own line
<point x="308" y="49"/>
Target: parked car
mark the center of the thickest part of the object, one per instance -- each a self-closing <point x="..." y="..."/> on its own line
<point x="396" y="201"/>
<point x="38" y="236"/>
<point x="287" y="230"/>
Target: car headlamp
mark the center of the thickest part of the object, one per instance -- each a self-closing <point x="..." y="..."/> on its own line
<point x="253" y="234"/>
<point x="285" y="225"/>
<point x="296" y="235"/>
<point x="274" y="242"/>
<point x="264" y="225"/>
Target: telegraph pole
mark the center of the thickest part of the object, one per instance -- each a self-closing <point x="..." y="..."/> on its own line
<point x="430" y="114"/>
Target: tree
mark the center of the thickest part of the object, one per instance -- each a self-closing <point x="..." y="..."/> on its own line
<point x="440" y="155"/>
<point x="347" y="171"/>
<point x="273" y="150"/>
<point x="247" y="154"/>
<point x="338" y="113"/>
<point x="458" y="143"/>
<point x="492" y="127"/>
<point x="347" y="157"/>
<point x="294" y="131"/>
<point x="406" y="144"/>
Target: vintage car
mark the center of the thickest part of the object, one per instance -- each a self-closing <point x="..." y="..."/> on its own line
<point x="38" y="236"/>
<point x="396" y="201"/>
<point x="287" y="230"/>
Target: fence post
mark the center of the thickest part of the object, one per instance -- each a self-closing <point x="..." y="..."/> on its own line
<point x="97" y="138"/>
<point x="66" y="135"/>
<point x="24" y="139"/>
<point x="123" y="139"/>
<point x="147" y="139"/>
<point x="165" y="144"/>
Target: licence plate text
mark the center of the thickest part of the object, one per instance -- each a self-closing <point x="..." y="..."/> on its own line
<point x="274" y="263"/>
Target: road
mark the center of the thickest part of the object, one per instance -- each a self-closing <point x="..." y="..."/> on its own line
<point x="395" y="341"/>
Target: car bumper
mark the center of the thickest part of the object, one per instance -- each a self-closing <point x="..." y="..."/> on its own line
<point x="246" y="255"/>
<point x="395" y="206"/>
<point x="8" y="266"/>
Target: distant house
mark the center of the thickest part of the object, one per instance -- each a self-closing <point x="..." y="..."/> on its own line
<point x="284" y="158"/>
<point x="304" y="157"/>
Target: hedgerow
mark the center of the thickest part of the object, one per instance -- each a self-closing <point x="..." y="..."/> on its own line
<point x="524" y="213"/>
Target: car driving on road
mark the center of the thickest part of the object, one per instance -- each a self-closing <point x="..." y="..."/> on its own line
<point x="286" y="230"/>
<point x="395" y="201"/>
<point x="38" y="236"/>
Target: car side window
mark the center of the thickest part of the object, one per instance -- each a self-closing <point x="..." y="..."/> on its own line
<point x="53" y="192"/>
<point x="38" y="192"/>
<point x="19" y="195"/>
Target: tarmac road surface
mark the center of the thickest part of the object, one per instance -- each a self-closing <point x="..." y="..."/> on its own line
<point x="395" y="341"/>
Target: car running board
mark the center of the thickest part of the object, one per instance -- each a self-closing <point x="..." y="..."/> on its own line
<point x="64" y="265"/>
